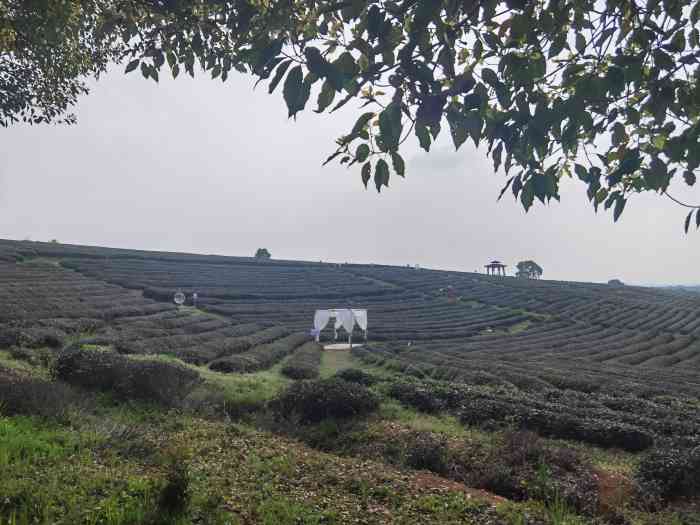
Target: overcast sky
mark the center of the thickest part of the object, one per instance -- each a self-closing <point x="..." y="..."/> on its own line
<point x="206" y="167"/>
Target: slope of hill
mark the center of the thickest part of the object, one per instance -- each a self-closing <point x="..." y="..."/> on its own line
<point x="606" y="368"/>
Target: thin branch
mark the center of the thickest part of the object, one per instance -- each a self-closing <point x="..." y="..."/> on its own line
<point x="685" y="205"/>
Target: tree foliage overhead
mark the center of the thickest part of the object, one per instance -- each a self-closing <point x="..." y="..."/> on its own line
<point x="605" y="91"/>
<point x="529" y="270"/>
<point x="47" y="49"/>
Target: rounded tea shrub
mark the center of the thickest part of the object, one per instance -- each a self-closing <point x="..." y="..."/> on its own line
<point x="670" y="473"/>
<point x="316" y="400"/>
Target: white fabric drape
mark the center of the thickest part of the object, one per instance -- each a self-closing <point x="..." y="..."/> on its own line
<point x="321" y="319"/>
<point x="344" y="317"/>
<point x="361" y="320"/>
<point x="338" y="324"/>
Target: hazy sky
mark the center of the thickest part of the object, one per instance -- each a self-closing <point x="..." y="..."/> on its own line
<point x="201" y="166"/>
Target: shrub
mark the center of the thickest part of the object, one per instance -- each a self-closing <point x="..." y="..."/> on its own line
<point x="304" y="363"/>
<point x="316" y="400"/>
<point x="418" y="396"/>
<point x="428" y="452"/>
<point x="37" y="337"/>
<point x="355" y="375"/>
<point x="37" y="357"/>
<point x="522" y="448"/>
<point x="670" y="473"/>
<point x="175" y="495"/>
<point x="260" y="357"/>
<point x="34" y="397"/>
<point x="157" y="381"/>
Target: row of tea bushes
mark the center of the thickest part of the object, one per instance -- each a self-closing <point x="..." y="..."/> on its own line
<point x="305" y="362"/>
<point x="260" y="357"/>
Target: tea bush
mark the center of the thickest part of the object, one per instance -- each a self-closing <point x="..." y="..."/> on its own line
<point x="35" y="397"/>
<point x="315" y="400"/>
<point x="670" y="473"/>
<point x="304" y="363"/>
<point x="355" y="375"/>
<point x="148" y="380"/>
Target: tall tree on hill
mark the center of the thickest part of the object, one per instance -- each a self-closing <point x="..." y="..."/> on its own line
<point x="604" y="91"/>
<point x="529" y="270"/>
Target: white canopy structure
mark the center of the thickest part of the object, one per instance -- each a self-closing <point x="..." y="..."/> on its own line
<point x="345" y="317"/>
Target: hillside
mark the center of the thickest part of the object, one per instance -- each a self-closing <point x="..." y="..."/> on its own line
<point x="610" y="370"/>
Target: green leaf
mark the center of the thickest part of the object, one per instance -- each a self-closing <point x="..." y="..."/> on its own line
<point x="694" y="38"/>
<point x="390" y="126"/>
<point x="334" y="155"/>
<point x="362" y="122"/>
<point x="620" y="202"/>
<point x="279" y="73"/>
<point x="398" y="163"/>
<point x="362" y="153"/>
<point x="478" y="50"/>
<point x="381" y="174"/>
<point x="374" y="21"/>
<point x="474" y="123"/>
<point x="678" y="42"/>
<point x="458" y="129"/>
<point x="490" y="76"/>
<point x="497" y="156"/>
<point x="492" y="40"/>
<point x="423" y="137"/>
<point x="619" y="135"/>
<point x="366" y="172"/>
<point x="689" y="178"/>
<point x="325" y="97"/>
<point x="557" y="46"/>
<point x="527" y="195"/>
<point x="656" y="177"/>
<point x="132" y="65"/>
<point x="295" y="95"/>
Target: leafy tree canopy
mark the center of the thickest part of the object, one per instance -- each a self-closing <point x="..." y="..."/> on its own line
<point x="605" y="91"/>
<point x="47" y="49"/>
<point x="529" y="270"/>
<point x="262" y="253"/>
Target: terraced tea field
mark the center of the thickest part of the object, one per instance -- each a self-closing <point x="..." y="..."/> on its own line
<point x="611" y="367"/>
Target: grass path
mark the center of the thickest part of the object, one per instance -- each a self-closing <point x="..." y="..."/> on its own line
<point x="334" y="360"/>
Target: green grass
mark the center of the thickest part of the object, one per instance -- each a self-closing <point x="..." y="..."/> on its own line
<point x="392" y="410"/>
<point x="334" y="360"/>
<point x="40" y="260"/>
<point x="7" y="361"/>
<point x="519" y="327"/>
<point x="24" y="441"/>
<point x="253" y="389"/>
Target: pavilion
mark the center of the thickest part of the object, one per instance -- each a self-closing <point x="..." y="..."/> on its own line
<point x="495" y="268"/>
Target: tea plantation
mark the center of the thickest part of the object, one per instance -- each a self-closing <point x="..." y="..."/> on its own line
<point x="517" y="402"/>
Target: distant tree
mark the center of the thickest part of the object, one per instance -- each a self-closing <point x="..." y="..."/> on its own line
<point x="615" y="282"/>
<point x="262" y="253"/>
<point x="54" y="241"/>
<point x="529" y="270"/>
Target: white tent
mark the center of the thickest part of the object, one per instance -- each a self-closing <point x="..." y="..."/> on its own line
<point x="345" y="317"/>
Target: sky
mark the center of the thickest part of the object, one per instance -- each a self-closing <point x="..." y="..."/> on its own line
<point x="201" y="166"/>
